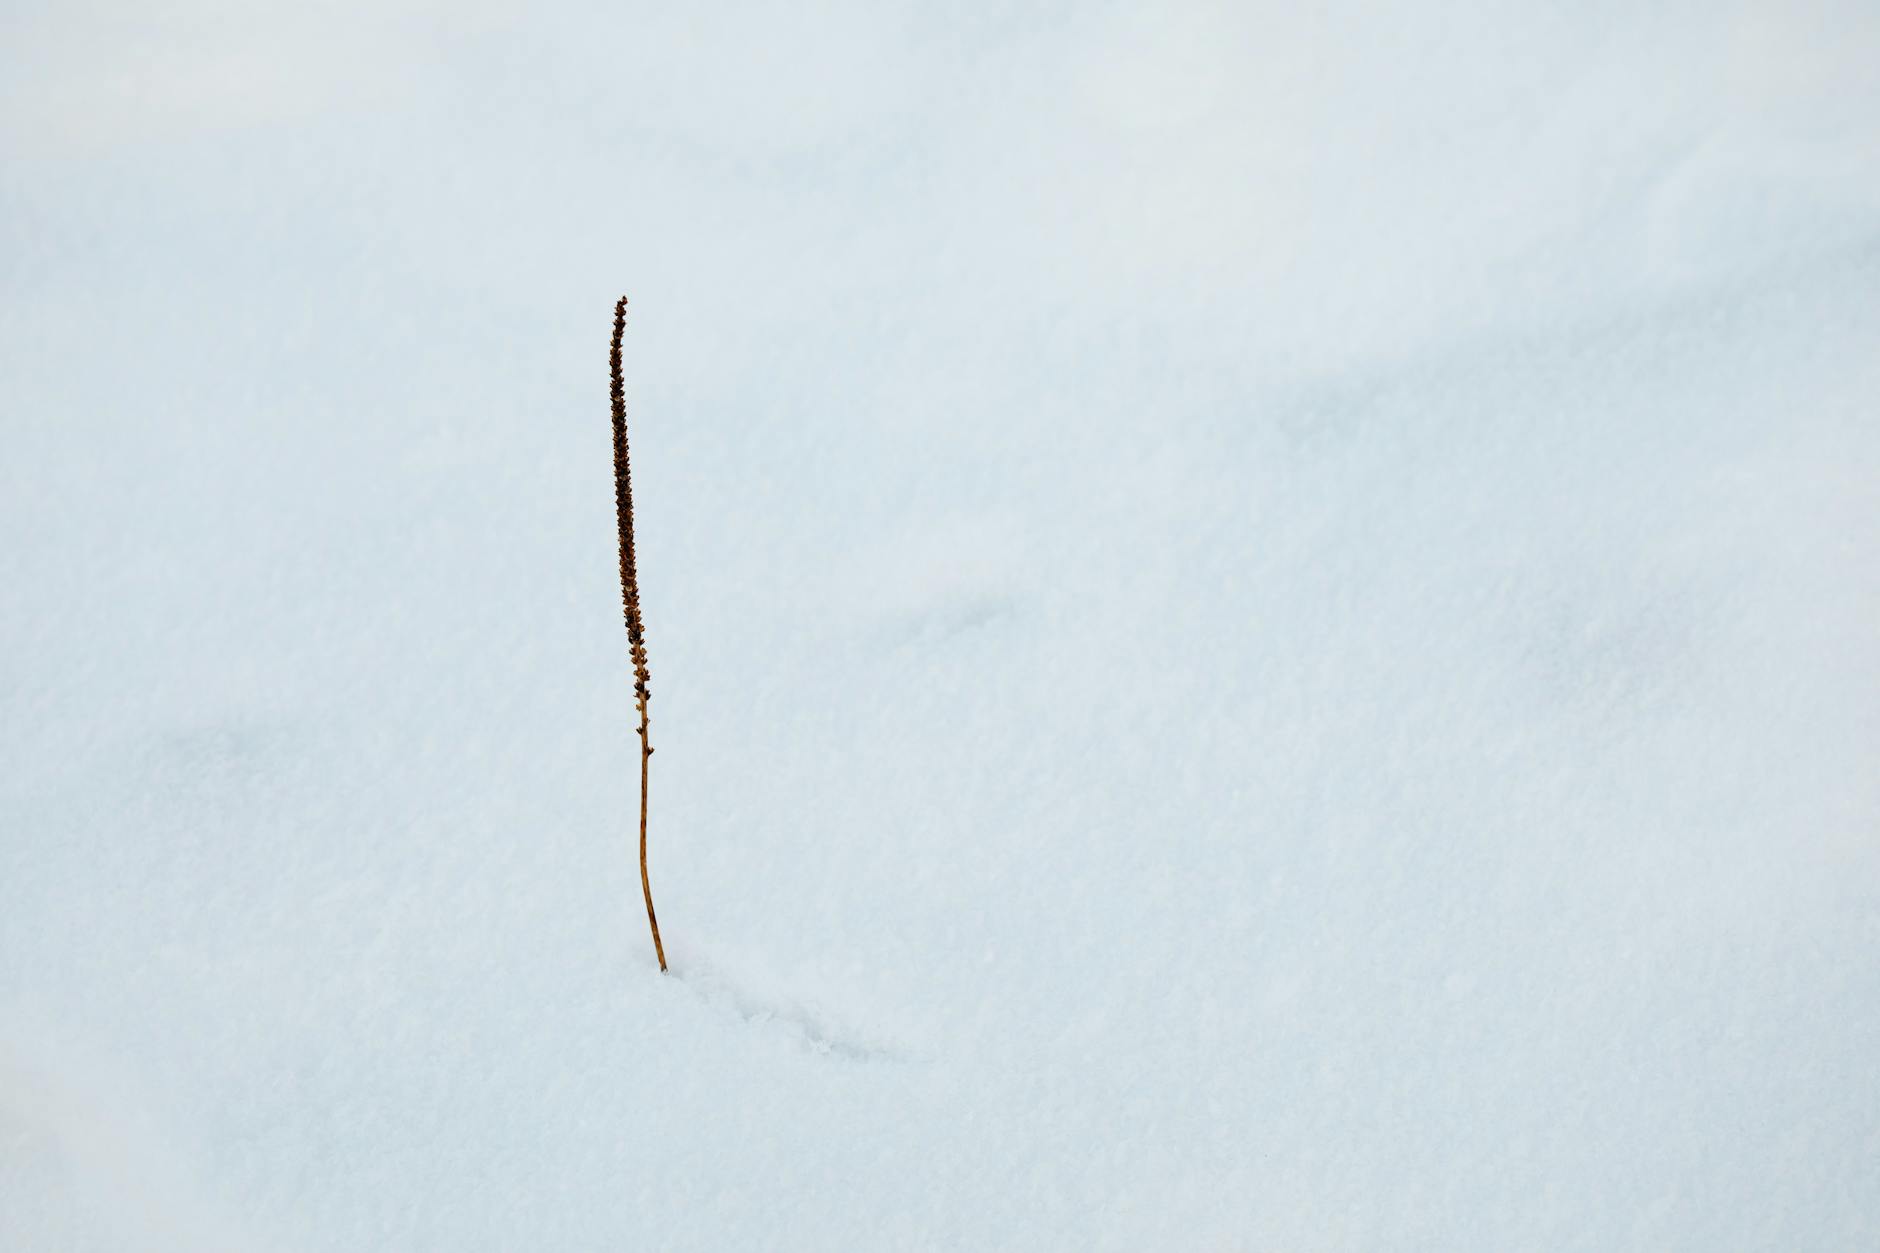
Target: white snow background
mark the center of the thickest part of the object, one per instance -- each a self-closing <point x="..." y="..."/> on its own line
<point x="1264" y="619"/>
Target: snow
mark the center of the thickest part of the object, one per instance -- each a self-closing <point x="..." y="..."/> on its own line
<point x="1261" y="623"/>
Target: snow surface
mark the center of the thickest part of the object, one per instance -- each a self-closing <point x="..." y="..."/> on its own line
<point x="1263" y="627"/>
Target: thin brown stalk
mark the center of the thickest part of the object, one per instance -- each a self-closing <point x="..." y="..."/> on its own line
<point x="630" y="599"/>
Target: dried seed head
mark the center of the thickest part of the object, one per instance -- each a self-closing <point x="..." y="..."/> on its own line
<point x="623" y="509"/>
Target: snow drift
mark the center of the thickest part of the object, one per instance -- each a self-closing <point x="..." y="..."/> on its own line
<point x="1261" y="628"/>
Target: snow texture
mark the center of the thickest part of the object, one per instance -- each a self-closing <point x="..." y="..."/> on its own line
<point x="1262" y="617"/>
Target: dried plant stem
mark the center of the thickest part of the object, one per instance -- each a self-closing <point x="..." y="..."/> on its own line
<point x="630" y="599"/>
<point x="646" y="884"/>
